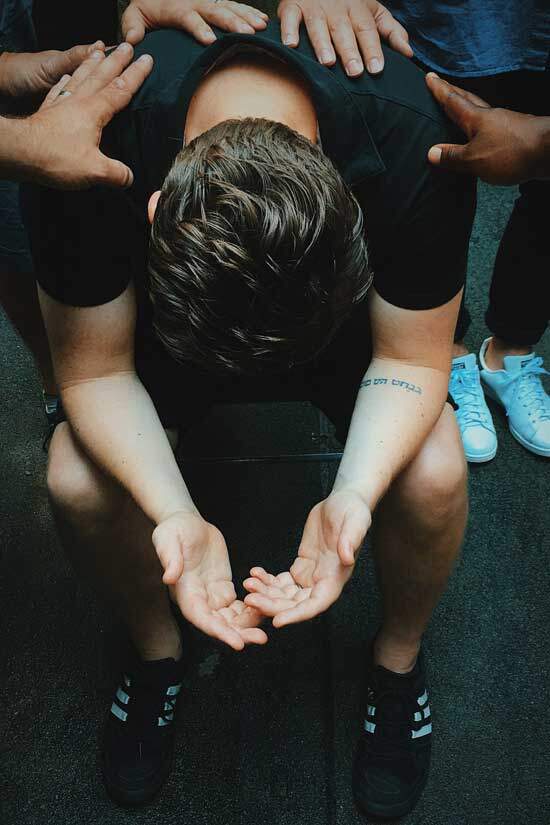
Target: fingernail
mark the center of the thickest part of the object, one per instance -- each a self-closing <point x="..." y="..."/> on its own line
<point x="432" y="74"/>
<point x="327" y="56"/>
<point x="145" y="58"/>
<point x="354" y="67"/>
<point x="375" y="65"/>
<point x="95" y="55"/>
<point x="244" y="28"/>
<point x="435" y="154"/>
<point x="125" y="47"/>
<point x="208" y="36"/>
<point x="290" y="41"/>
<point x="260" y="21"/>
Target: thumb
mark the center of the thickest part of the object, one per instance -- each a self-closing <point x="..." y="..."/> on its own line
<point x="114" y="173"/>
<point x="354" y="529"/>
<point x="450" y="156"/>
<point x="132" y="25"/>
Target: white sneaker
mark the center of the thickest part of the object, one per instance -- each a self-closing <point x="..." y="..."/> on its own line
<point x="518" y="388"/>
<point x="474" y="419"/>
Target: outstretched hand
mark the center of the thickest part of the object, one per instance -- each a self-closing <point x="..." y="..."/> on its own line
<point x="33" y="74"/>
<point x="333" y="534"/>
<point x="197" y="570"/>
<point x="62" y="138"/>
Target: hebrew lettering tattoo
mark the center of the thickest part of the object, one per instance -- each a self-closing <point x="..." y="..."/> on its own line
<point x="391" y="382"/>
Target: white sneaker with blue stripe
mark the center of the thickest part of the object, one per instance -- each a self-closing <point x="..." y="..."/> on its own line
<point x="519" y="389"/>
<point x="473" y="416"/>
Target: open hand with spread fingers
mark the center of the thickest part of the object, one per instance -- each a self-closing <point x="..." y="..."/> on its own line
<point x="348" y="30"/>
<point x="333" y="534"/>
<point x="60" y="142"/>
<point x="197" y="570"/>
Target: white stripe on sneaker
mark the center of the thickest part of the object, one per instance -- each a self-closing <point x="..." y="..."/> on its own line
<point x="416" y="734"/>
<point x="423" y="699"/>
<point x="118" y="712"/>
<point x="122" y="696"/>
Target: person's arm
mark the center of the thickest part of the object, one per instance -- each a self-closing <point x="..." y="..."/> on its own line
<point x="113" y="417"/>
<point x="399" y="401"/>
<point x="401" y="396"/>
<point x="504" y="147"/>
<point x="193" y="16"/>
<point x="107" y="406"/>
<point x="348" y="30"/>
<point x="59" y="144"/>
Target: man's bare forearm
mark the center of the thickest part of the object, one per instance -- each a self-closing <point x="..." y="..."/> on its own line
<point x="118" y="426"/>
<point x="397" y="407"/>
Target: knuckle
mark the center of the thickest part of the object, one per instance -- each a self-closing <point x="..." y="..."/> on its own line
<point x="119" y="84"/>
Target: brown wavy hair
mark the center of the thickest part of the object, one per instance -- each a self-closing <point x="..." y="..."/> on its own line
<point x="257" y="250"/>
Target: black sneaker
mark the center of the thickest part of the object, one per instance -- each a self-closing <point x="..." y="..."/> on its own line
<point x="392" y="759"/>
<point x="139" y="734"/>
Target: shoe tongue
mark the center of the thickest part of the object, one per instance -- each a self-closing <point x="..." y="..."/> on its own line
<point x="514" y="363"/>
<point x="464" y="362"/>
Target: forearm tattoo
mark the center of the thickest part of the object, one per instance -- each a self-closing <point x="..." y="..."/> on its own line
<point x="391" y="382"/>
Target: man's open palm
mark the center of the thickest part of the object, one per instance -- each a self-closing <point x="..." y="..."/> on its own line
<point x="198" y="572"/>
<point x="334" y="532"/>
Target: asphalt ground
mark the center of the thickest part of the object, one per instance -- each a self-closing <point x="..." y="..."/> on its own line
<point x="267" y="736"/>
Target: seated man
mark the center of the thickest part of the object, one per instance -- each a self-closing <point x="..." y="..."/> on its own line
<point x="256" y="289"/>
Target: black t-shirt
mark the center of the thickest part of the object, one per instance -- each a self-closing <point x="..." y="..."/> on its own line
<point x="376" y="130"/>
<point x="89" y="245"/>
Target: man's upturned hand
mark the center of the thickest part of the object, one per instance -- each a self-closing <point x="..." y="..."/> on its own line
<point x="503" y="147"/>
<point x="193" y="16"/>
<point x="333" y="534"/>
<point x="29" y="75"/>
<point x="196" y="566"/>
<point x="347" y="29"/>
<point x="60" y="142"/>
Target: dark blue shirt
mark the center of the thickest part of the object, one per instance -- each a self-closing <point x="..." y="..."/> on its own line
<point x="476" y="38"/>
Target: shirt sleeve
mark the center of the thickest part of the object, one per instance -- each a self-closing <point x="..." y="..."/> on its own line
<point x="418" y="218"/>
<point x="88" y="245"/>
<point x="83" y="243"/>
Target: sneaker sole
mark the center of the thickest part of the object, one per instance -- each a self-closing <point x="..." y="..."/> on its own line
<point x="388" y="812"/>
<point x="542" y="451"/>
<point x="480" y="459"/>
<point x="545" y="453"/>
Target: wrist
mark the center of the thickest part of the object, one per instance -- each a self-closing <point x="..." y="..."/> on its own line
<point x="183" y="510"/>
<point x="370" y="489"/>
<point x="16" y="148"/>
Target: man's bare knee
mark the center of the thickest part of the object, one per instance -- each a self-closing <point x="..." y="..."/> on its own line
<point x="78" y="489"/>
<point x="435" y="483"/>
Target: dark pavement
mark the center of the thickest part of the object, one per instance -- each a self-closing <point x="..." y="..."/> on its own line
<point x="266" y="736"/>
